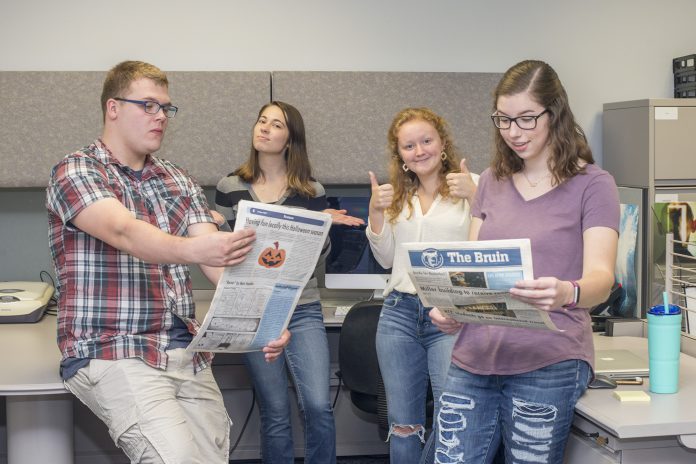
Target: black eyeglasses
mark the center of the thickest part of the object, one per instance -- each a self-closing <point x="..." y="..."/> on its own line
<point x="523" y="122"/>
<point x="152" y="107"/>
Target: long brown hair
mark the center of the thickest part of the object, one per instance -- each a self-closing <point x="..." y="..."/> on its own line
<point x="299" y="171"/>
<point x="567" y="141"/>
<point x="406" y="182"/>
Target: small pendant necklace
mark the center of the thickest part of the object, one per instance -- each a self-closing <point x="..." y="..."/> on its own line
<point x="281" y="192"/>
<point x="271" y="195"/>
<point x="538" y="181"/>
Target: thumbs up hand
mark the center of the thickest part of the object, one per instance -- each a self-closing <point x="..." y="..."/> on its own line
<point x="382" y="195"/>
<point x="461" y="184"/>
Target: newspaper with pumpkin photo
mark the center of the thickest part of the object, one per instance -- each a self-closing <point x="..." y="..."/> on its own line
<point x="254" y="300"/>
<point x="470" y="281"/>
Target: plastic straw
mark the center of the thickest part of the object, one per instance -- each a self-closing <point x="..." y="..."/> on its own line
<point x="665" y="300"/>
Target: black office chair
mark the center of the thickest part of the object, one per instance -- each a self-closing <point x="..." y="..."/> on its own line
<point x="611" y="308"/>
<point x="357" y="361"/>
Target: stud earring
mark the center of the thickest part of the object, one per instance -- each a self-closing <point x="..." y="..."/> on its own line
<point x="404" y="167"/>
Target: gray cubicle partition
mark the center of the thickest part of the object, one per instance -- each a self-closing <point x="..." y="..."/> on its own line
<point x="347" y="115"/>
<point x="44" y="115"/>
<point x="212" y="135"/>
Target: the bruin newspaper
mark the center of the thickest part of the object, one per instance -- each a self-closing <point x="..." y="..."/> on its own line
<point x="254" y="300"/>
<point x="470" y="281"/>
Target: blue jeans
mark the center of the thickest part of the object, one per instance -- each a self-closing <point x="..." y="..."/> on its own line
<point x="530" y="412"/>
<point x="410" y="350"/>
<point x="307" y="360"/>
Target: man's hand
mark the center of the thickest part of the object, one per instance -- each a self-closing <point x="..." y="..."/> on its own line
<point x="219" y="249"/>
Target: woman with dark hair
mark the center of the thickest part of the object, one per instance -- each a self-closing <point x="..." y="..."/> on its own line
<point x="518" y="385"/>
<point x="278" y="172"/>
<point x="427" y="199"/>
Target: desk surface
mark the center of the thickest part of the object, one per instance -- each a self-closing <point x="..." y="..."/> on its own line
<point x="30" y="358"/>
<point x="665" y="414"/>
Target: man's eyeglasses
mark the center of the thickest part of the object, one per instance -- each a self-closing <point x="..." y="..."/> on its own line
<point x="523" y="122"/>
<point x="152" y="107"/>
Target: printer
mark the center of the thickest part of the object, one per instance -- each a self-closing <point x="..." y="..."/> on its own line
<point x="23" y="301"/>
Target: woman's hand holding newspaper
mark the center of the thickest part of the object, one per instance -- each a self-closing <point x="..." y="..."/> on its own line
<point x="444" y="323"/>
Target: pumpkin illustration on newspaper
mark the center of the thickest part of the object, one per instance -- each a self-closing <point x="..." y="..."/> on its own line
<point x="272" y="257"/>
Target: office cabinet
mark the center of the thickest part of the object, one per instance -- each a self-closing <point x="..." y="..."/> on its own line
<point x="649" y="148"/>
<point x="589" y="443"/>
<point x="659" y="431"/>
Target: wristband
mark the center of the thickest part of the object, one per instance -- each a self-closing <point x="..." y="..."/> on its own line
<point x="576" y="296"/>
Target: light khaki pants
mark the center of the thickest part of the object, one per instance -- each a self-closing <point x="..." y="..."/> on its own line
<point x="155" y="416"/>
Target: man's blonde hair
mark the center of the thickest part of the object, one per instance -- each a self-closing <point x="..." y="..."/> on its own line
<point x="120" y="77"/>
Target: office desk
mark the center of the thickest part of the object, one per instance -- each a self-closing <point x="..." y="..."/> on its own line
<point x="39" y="409"/>
<point x="662" y="431"/>
<point x="42" y="427"/>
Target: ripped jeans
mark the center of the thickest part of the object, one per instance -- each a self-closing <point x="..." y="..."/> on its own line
<point x="530" y="412"/>
<point x="410" y="350"/>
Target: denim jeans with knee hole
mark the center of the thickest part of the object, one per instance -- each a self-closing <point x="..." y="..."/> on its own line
<point x="410" y="350"/>
<point x="307" y="360"/>
<point x="530" y="412"/>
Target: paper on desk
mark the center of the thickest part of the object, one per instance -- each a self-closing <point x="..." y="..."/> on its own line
<point x="632" y="396"/>
<point x="254" y="300"/>
<point x="470" y="281"/>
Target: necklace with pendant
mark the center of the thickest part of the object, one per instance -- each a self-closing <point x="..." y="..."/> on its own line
<point x="276" y="194"/>
<point x="538" y="181"/>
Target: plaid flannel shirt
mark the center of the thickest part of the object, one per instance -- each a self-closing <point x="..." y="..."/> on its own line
<point x="113" y="305"/>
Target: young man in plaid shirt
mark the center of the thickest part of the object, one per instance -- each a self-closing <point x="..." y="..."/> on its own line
<point x="123" y="228"/>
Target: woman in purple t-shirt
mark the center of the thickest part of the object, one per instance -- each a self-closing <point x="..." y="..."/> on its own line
<point x="518" y="385"/>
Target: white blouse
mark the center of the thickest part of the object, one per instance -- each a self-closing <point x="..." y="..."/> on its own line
<point x="445" y="221"/>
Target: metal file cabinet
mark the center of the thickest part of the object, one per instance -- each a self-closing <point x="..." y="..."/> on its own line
<point x="650" y="148"/>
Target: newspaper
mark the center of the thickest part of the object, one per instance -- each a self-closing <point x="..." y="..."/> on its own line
<point x="470" y="281"/>
<point x="254" y="300"/>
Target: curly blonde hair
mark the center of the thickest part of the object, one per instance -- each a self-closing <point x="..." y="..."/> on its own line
<point x="406" y="182"/>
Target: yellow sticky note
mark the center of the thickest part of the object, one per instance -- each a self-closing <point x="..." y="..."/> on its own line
<point x="632" y="396"/>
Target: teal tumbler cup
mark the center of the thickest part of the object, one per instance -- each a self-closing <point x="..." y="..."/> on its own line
<point x="664" y="342"/>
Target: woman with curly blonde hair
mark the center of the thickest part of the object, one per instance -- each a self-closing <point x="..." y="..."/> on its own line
<point x="426" y="199"/>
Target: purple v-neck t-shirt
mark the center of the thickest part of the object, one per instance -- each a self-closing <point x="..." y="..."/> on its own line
<point x="554" y="223"/>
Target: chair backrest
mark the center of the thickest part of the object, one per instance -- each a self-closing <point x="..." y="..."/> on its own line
<point x="357" y="354"/>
